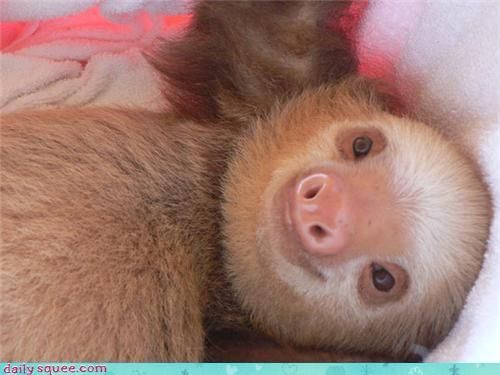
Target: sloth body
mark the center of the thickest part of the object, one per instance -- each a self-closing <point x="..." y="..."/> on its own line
<point x="296" y="207"/>
<point x="112" y="238"/>
<point x="109" y="229"/>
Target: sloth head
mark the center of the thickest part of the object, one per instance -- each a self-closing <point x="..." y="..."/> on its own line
<point x="350" y="228"/>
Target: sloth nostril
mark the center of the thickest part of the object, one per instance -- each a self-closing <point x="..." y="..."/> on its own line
<point x="316" y="210"/>
<point x="312" y="192"/>
<point x="318" y="232"/>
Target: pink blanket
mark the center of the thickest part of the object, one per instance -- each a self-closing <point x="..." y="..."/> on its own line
<point x="81" y="59"/>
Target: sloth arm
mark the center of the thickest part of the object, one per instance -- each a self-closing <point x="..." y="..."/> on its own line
<point x="94" y="250"/>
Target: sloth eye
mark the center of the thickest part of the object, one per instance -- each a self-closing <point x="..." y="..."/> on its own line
<point x="382" y="279"/>
<point x="361" y="146"/>
<point x="381" y="283"/>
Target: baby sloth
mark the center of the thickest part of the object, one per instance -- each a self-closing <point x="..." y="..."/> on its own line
<point x="350" y="228"/>
<point x="344" y="227"/>
<point x="297" y="208"/>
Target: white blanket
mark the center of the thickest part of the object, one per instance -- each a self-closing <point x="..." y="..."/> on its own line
<point x="443" y="56"/>
<point x="26" y="10"/>
<point x="83" y="58"/>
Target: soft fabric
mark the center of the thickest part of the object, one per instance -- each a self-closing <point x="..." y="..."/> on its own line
<point x="26" y="10"/>
<point x="83" y="59"/>
<point x="443" y="57"/>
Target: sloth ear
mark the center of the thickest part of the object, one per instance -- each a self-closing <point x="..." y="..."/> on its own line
<point x="238" y="57"/>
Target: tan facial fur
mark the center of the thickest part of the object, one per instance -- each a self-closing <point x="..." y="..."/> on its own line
<point x="437" y="211"/>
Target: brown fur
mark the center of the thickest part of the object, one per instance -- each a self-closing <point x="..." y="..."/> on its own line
<point x="448" y="231"/>
<point x="105" y="215"/>
<point x="237" y="57"/>
<point x="111" y="237"/>
<point x="249" y="347"/>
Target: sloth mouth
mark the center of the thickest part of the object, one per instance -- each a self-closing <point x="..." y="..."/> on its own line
<point x="288" y="244"/>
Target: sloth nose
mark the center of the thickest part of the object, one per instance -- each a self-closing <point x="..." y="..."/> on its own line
<point x="320" y="213"/>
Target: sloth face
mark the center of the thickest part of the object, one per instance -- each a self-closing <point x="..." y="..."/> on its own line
<point x="347" y="227"/>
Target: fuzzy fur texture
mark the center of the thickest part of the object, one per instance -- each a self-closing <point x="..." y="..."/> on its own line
<point x="111" y="237"/>
<point x="237" y="57"/>
<point x="109" y="230"/>
<point x="439" y="197"/>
